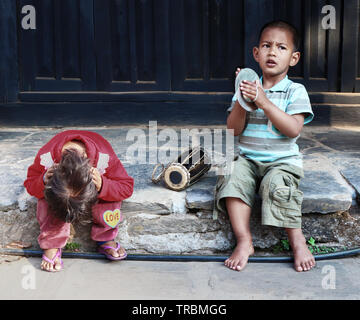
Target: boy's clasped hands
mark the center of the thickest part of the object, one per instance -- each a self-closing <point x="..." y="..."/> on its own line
<point x="252" y="90"/>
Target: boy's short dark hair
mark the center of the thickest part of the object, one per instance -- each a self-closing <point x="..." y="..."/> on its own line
<point x="284" y="25"/>
<point x="70" y="192"/>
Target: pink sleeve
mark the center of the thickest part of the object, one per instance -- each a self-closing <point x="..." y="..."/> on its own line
<point x="34" y="182"/>
<point x="117" y="185"/>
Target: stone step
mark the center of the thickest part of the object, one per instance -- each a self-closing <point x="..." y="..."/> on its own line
<point x="159" y="220"/>
<point x="170" y="108"/>
<point x="193" y="232"/>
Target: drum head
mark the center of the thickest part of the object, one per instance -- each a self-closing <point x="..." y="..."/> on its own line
<point x="176" y="177"/>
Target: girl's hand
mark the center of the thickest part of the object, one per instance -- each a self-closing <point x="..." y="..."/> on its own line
<point x="50" y="172"/>
<point x="96" y="178"/>
<point x="237" y="72"/>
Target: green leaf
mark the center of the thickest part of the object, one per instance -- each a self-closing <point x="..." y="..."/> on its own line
<point x="285" y="244"/>
<point x="72" y="246"/>
<point x="311" y="241"/>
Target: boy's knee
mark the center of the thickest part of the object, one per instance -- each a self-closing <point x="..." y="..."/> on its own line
<point x="278" y="179"/>
<point x="281" y="199"/>
<point x="231" y="201"/>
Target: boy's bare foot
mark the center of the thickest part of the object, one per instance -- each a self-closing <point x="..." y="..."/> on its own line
<point x="239" y="258"/>
<point x="48" y="266"/>
<point x="119" y="253"/>
<point x="303" y="259"/>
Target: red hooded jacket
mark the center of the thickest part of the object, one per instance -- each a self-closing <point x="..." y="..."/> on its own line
<point x="117" y="185"/>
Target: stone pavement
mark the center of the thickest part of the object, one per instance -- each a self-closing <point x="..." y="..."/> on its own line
<point x="158" y="220"/>
<point x="84" y="279"/>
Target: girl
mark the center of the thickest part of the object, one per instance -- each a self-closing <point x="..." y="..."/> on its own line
<point x="77" y="176"/>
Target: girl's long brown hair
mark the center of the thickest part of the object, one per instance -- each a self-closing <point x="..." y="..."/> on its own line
<point x="70" y="192"/>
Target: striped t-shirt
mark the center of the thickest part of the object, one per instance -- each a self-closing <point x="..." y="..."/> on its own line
<point x="260" y="140"/>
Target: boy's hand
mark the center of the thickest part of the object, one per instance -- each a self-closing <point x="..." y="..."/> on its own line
<point x="50" y="172"/>
<point x="254" y="91"/>
<point x="237" y="72"/>
<point x="96" y="178"/>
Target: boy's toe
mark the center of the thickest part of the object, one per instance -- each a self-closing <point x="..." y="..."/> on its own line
<point x="226" y="262"/>
<point x="299" y="268"/>
<point x="236" y="264"/>
<point x="311" y="265"/>
<point x="241" y="264"/>
<point x="240" y="267"/>
<point x="229" y="263"/>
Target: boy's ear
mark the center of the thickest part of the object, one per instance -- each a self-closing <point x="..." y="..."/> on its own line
<point x="256" y="54"/>
<point x="295" y="58"/>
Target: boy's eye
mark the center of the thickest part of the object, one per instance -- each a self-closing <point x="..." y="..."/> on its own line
<point x="282" y="48"/>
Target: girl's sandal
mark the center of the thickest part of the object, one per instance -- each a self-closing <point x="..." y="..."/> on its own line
<point x="52" y="261"/>
<point x="102" y="249"/>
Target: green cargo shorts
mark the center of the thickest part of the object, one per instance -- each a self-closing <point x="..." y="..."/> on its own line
<point x="276" y="183"/>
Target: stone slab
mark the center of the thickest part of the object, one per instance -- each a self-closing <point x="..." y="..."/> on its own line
<point x="349" y="167"/>
<point x="155" y="200"/>
<point x="324" y="194"/>
<point x="325" y="190"/>
<point x="339" y="140"/>
<point x="200" y="196"/>
<point x="352" y="175"/>
<point x="200" y="199"/>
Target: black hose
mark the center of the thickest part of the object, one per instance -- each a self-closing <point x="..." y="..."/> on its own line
<point x="199" y="258"/>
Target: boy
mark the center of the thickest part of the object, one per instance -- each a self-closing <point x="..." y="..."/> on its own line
<point x="77" y="176"/>
<point x="269" y="161"/>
